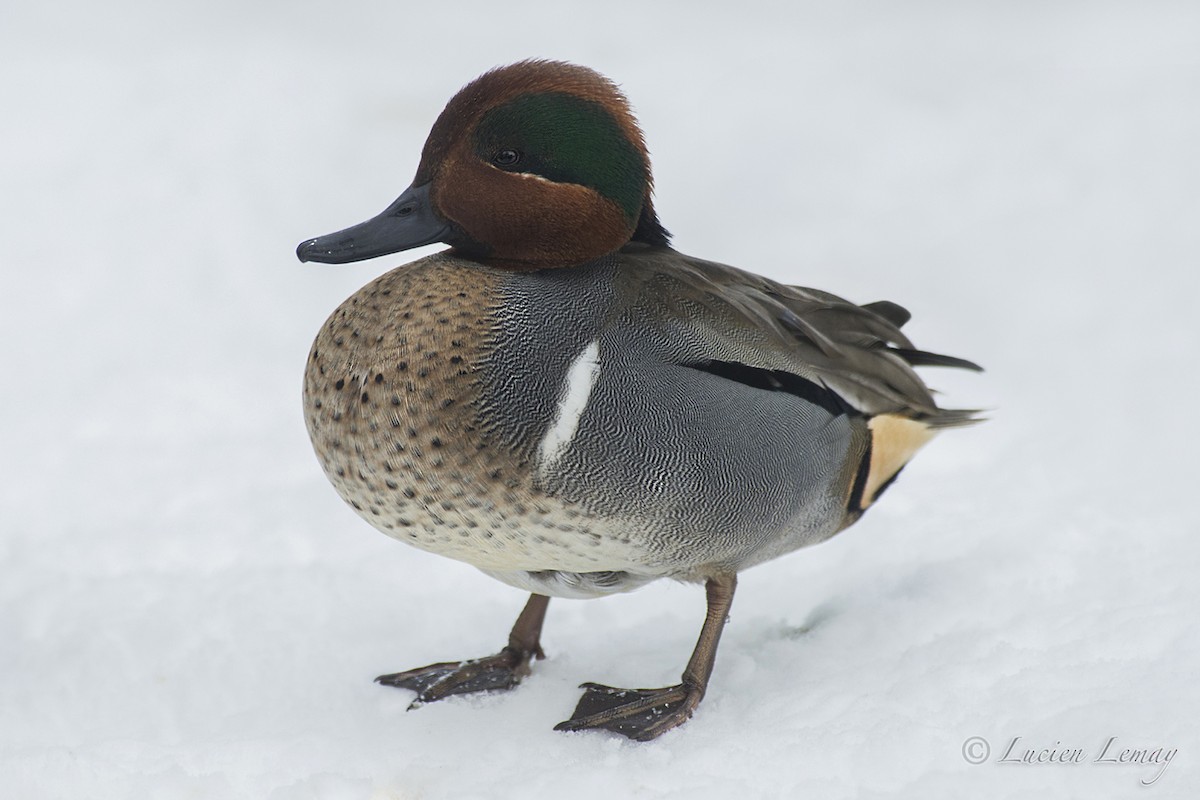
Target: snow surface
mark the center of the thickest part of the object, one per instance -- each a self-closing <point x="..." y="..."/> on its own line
<point x="189" y="611"/>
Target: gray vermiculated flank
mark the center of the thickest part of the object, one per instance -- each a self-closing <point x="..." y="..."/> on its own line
<point x="695" y="468"/>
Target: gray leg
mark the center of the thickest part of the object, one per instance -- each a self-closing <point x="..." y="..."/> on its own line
<point x="504" y="670"/>
<point x="643" y="714"/>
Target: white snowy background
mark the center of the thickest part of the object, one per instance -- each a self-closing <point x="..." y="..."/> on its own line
<point x="187" y="610"/>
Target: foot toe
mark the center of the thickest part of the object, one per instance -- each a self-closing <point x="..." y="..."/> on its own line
<point x="640" y="714"/>
<point x="438" y="681"/>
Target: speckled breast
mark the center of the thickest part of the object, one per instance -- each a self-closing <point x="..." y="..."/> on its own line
<point x="393" y="394"/>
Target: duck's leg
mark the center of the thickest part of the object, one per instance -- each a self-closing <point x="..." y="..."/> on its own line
<point x="643" y="714"/>
<point x="504" y="670"/>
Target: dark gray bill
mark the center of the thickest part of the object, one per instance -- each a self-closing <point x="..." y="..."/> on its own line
<point x="409" y="222"/>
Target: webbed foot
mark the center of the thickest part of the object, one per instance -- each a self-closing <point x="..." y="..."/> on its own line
<point x="643" y="714"/>
<point x="503" y="670"/>
<point x="640" y="714"/>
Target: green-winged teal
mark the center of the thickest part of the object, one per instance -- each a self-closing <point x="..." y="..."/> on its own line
<point x="567" y="403"/>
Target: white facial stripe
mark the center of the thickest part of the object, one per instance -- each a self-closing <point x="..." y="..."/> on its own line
<point x="577" y="388"/>
<point x="526" y="175"/>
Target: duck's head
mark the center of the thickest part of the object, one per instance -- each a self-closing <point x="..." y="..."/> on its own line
<point x="534" y="165"/>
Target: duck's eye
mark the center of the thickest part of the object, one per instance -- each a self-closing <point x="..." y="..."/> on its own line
<point x="506" y="158"/>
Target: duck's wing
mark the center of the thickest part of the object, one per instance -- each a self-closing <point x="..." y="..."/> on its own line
<point x="716" y="315"/>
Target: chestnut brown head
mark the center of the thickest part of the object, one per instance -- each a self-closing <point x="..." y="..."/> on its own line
<point x="535" y="165"/>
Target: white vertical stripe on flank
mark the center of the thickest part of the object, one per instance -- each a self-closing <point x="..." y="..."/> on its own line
<point x="577" y="388"/>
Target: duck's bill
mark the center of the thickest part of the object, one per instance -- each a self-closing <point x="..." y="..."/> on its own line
<point x="409" y="222"/>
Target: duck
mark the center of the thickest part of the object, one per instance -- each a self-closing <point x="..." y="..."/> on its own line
<point x="566" y="402"/>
